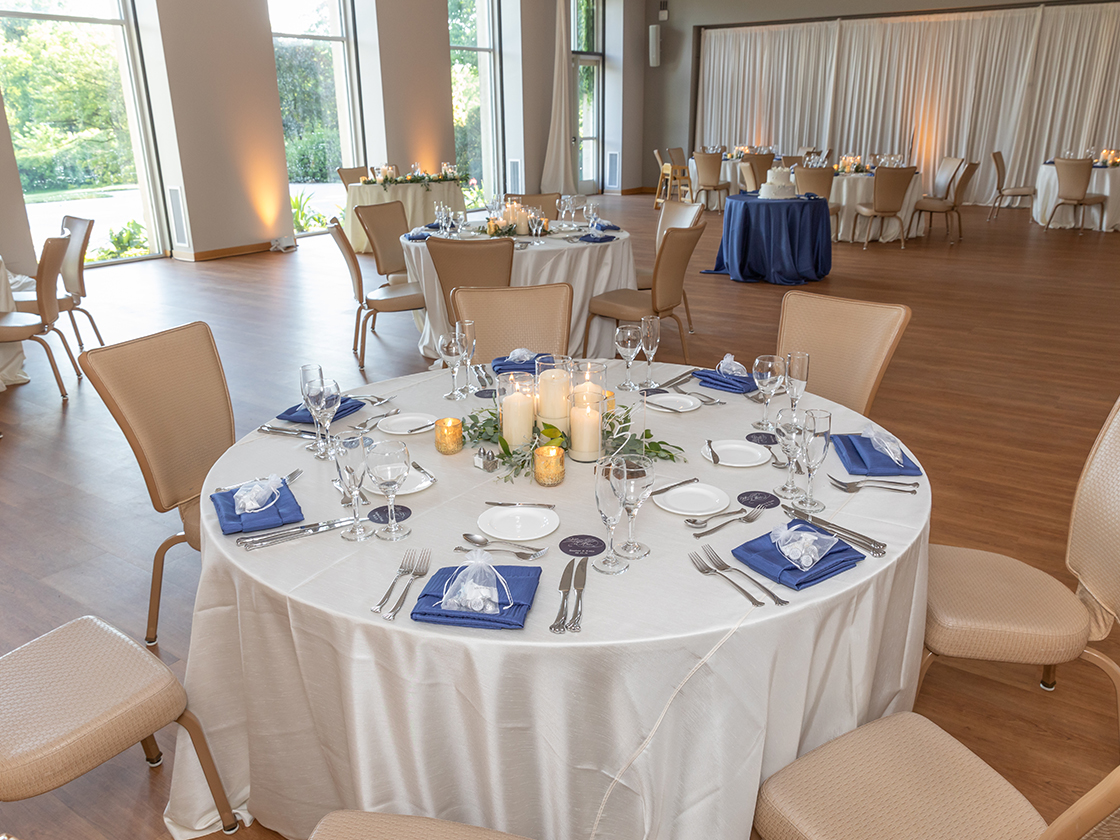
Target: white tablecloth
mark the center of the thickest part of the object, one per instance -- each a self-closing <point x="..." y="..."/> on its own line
<point x="659" y="720"/>
<point x="591" y="270"/>
<point x="419" y="205"/>
<point x="850" y="190"/>
<point x="1106" y="181"/>
<point x="11" y="353"/>
<point x="728" y="171"/>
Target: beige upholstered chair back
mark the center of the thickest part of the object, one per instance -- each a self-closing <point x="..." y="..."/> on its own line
<point x="747" y="180"/>
<point x="943" y="176"/>
<point x="707" y="168"/>
<point x="891" y="184"/>
<point x="352" y="175"/>
<point x="793" y="160"/>
<point x="348" y="255"/>
<point x="46" y="278"/>
<point x="850" y="343"/>
<point x="1001" y="170"/>
<point x="676" y="214"/>
<point x="74" y="262"/>
<point x="1073" y="177"/>
<point x="384" y="225"/>
<point x="963" y="182"/>
<point x="168" y="394"/>
<point x="676" y="250"/>
<point x="676" y="156"/>
<point x="545" y="201"/>
<point x="817" y="181"/>
<point x="760" y="164"/>
<point x="536" y="317"/>
<point x="806" y="150"/>
<point x="457" y="263"/>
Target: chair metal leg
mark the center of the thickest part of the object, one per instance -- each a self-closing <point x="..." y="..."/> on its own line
<point x="92" y="323"/>
<point x="357" y="327"/>
<point x="157" y="585"/>
<point x="927" y="659"/>
<point x="1052" y="212"/>
<point x="54" y="367"/>
<point x="684" y="336"/>
<point x="189" y="722"/>
<point x="1109" y="667"/>
<point x="77" y="333"/>
<point x="66" y="347"/>
<point x="687" y="311"/>
<point x="1049" y="677"/>
<point x="1081" y="224"/>
<point x="867" y="234"/>
<point x="901" y="230"/>
<point x="151" y="751"/>
<point x="372" y="314"/>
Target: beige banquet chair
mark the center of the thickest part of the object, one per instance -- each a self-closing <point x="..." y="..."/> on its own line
<point x="1002" y="191"/>
<point x="904" y="778"/>
<point x="399" y="297"/>
<point x="679" y="174"/>
<point x="364" y="825"/>
<point x="891" y="184"/>
<point x="849" y="342"/>
<point x="818" y="181"/>
<point x="23" y="326"/>
<point x="488" y="263"/>
<point x="988" y="606"/>
<point x="1073" y="189"/>
<point x="168" y="394"/>
<point x="707" y="177"/>
<point x="352" y="175"/>
<point x="384" y="225"/>
<point x="545" y="201"/>
<point x="790" y="161"/>
<point x="943" y="177"/>
<point x="674" y="214"/>
<point x="81" y="694"/>
<point x="505" y="318"/>
<point x="949" y="206"/>
<point x="759" y="165"/>
<point x="663" y="298"/>
<point x="665" y="171"/>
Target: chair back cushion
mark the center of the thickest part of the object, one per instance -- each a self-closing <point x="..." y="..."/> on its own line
<point x="789" y="161"/>
<point x="1001" y="170"/>
<point x="849" y="342"/>
<point x="73" y="264"/>
<point x="891" y="184"/>
<point x="545" y="201"/>
<point x="536" y="317"/>
<point x="351" y="259"/>
<point x="466" y="263"/>
<point x="676" y="250"/>
<point x="814" y="180"/>
<point x="46" y="278"/>
<point x="707" y="168"/>
<point x="168" y="394"/>
<point x="676" y="214"/>
<point x="1073" y="177"/>
<point x="943" y="176"/>
<point x="676" y="156"/>
<point x="760" y="164"/>
<point x="961" y="186"/>
<point x="351" y="175"/>
<point x="384" y="225"/>
<point x="747" y="181"/>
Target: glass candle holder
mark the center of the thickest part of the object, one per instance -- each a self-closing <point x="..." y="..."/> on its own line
<point x="589" y="377"/>
<point x="449" y="435"/>
<point x="554" y="384"/>
<point x="516" y="407"/>
<point x="548" y="465"/>
<point x="610" y="400"/>
<point x="585" y="414"/>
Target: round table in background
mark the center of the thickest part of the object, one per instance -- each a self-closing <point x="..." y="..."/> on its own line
<point x="419" y="202"/>
<point x="784" y="241"/>
<point x="848" y="190"/>
<point x="1104" y="180"/>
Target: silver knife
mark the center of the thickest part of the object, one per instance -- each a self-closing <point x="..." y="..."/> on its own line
<point x="684" y="377"/>
<point x="276" y="430"/>
<point x="824" y="523"/>
<point x="521" y="504"/>
<point x="561" y="622"/>
<point x="285" y="531"/>
<point x="317" y="529"/>
<point x="872" y="547"/>
<point x="424" y="472"/>
<point x="420" y="428"/>
<point x="581" y="578"/>
<point x="674" y="486"/>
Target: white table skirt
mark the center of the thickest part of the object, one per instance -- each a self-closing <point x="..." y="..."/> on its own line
<point x="850" y="190"/>
<point x="659" y="721"/>
<point x="590" y="269"/>
<point x="419" y="205"/>
<point x="728" y="171"/>
<point x="1106" y="181"/>
<point x="11" y="352"/>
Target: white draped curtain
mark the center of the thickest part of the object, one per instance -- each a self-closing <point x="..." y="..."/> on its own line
<point x="1027" y="82"/>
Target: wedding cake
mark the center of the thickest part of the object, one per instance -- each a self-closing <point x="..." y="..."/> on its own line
<point x="779" y="184"/>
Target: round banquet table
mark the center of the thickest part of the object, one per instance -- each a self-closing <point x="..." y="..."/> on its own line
<point x="659" y="720"/>
<point x="848" y="190"/>
<point x="590" y="268"/>
<point x="782" y="241"/>
<point x="419" y="202"/>
<point x="1104" y="180"/>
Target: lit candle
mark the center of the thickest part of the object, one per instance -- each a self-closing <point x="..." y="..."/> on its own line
<point x="553" y="387"/>
<point x="517" y="419"/>
<point x="548" y="465"/>
<point x="449" y="435"/>
<point x="586" y="437"/>
<point x="522" y="223"/>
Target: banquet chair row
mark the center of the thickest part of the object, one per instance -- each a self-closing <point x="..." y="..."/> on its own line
<point x="1073" y="189"/>
<point x="547" y="203"/>
<point x="674" y="214"/>
<point x="353" y="174"/>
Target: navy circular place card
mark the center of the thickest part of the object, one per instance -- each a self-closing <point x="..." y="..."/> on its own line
<point x="582" y="545"/>
<point x="762" y="438"/>
<point x="759" y="498"/>
<point x="649" y="392"/>
<point x="486" y="394"/>
<point x="381" y="515"/>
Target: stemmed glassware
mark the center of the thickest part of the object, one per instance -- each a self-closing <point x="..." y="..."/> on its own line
<point x="610" y="509"/>
<point x="632" y="477"/>
<point x="309" y="374"/>
<point x="590" y="214"/>
<point x="388" y="464"/>
<point x="814" y="438"/>
<point x="628" y="340"/>
<point x="797" y="375"/>
<point x="536" y="225"/>
<point x="786" y="429"/>
<point x="464" y="331"/>
<point x="450" y="348"/>
<point x="769" y="375"/>
<point x="460" y="223"/>
<point x="651" y="338"/>
<point x="323" y="398"/>
<point x="350" y="459"/>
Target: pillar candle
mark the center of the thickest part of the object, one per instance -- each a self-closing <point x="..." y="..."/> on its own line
<point x="586" y="435"/>
<point x="517" y="419"/>
<point x="522" y="223"/>
<point x="553" y="387"/>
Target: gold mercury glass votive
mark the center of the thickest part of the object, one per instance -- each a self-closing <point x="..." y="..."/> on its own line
<point x="548" y="465"/>
<point x="610" y="400"/>
<point x="449" y="435"/>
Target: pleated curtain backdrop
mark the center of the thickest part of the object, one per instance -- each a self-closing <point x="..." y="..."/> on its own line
<point x="1028" y="82"/>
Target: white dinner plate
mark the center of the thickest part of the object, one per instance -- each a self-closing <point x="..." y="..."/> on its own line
<point x="518" y="524"/>
<point x="399" y="424"/>
<point x="668" y="402"/>
<point x="737" y="453"/>
<point x="693" y="500"/>
<point x="414" y="483"/>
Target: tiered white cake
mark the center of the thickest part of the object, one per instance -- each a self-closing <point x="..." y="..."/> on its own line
<point x="779" y="184"/>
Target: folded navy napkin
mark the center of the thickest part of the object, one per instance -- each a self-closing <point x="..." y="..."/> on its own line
<point x="860" y="457"/>
<point x="502" y="364"/>
<point x="724" y="382"/>
<point x="418" y="237"/>
<point x="299" y="414"/>
<point x="284" y="512"/>
<point x="606" y="226"/>
<point x="590" y="237"/>
<point x="432" y="225"/>
<point x="521" y="580"/>
<point x="762" y="555"/>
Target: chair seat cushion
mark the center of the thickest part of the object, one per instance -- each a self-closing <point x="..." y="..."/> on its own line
<point x="934" y="205"/>
<point x="644" y="276"/>
<point x="833" y="208"/>
<point x="1094" y="198"/>
<point x="1017" y="191"/>
<point x="897" y="778"/>
<point x="19" y="326"/>
<point x="623" y="304"/>
<point x="361" y="825"/>
<point x="989" y="606"/>
<point x="869" y="210"/>
<point x="28" y="302"/>
<point x="397" y="298"/>
<point x="74" y="698"/>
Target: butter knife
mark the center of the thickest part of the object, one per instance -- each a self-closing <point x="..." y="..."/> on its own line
<point x="684" y="377"/>
<point x="674" y="486"/>
<point x="581" y="579"/>
<point x="276" y="430"/>
<point x="561" y="622"/>
<point x="523" y="504"/>
<point x="872" y="547"/>
<point x="424" y="472"/>
<point x="263" y="536"/>
<point x="824" y="523"/>
<point x="420" y="428"/>
<point x="315" y="529"/>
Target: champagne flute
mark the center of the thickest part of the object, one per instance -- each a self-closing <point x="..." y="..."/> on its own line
<point x="610" y="510"/>
<point x="307" y="374"/>
<point x="388" y="464"/>
<point x="451" y="351"/>
<point x="350" y="460"/>
<point x="628" y="340"/>
<point x="769" y="374"/>
<point x="464" y="331"/>
<point x="324" y="397"/>
<point x="632" y="478"/>
<point x="813" y="441"/>
<point x="786" y="429"/>
<point x="651" y="338"/>
<point x="460" y="223"/>
<point x="797" y="375"/>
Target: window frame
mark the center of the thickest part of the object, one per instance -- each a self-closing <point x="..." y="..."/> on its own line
<point x="497" y="93"/>
<point x="596" y="57"/>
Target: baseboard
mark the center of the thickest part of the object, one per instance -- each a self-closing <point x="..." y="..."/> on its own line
<point x="640" y="191"/>
<point x="217" y="254"/>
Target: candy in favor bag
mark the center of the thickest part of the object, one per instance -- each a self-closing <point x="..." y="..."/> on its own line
<point x="884" y="442"/>
<point x="521" y="354"/>
<point x="730" y="367"/>
<point x="474" y="586"/>
<point x="800" y="545"/>
<point x="257" y="495"/>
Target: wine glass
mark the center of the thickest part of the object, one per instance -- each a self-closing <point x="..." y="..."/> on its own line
<point x="632" y="478"/>
<point x="786" y="429"/>
<point x="610" y="509"/>
<point x="797" y="375"/>
<point x="350" y="460"/>
<point x="651" y="338"/>
<point x="536" y="225"/>
<point x="460" y="223"/>
<point x="323" y="398"/>
<point x="628" y="340"/>
<point x="311" y="373"/>
<point x="388" y="465"/>
<point x="590" y="212"/>
<point x="769" y="374"/>
<point x="812" y="443"/>
<point x="464" y="331"/>
<point x="451" y="351"/>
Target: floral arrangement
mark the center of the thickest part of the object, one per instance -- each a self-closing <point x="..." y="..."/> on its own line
<point x="498" y="227"/>
<point x="411" y="178"/>
<point x="853" y="168"/>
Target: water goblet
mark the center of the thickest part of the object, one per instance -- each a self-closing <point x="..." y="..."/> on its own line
<point x="451" y="351"/>
<point x="536" y="225"/>
<point x="307" y="374"/>
<point x="628" y="340"/>
<point x="388" y="465"/>
<point x="786" y="429"/>
<point x="610" y="510"/>
<point x="651" y="338"/>
<point x="464" y="331"/>
<point x="814" y="438"/>
<point x="797" y="375"/>
<point x="562" y="211"/>
<point x="632" y="478"/>
<point x="769" y="374"/>
<point x="460" y="223"/>
<point x="350" y="460"/>
<point x="323" y="398"/>
<point x="590" y="212"/>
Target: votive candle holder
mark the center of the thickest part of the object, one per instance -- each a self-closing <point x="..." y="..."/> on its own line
<point x="548" y="465"/>
<point x="449" y="435"/>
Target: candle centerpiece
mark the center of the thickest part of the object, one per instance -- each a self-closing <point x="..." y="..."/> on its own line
<point x="585" y="415"/>
<point x="516" y="408"/>
<point x="554" y="384"/>
<point x="449" y="435"/>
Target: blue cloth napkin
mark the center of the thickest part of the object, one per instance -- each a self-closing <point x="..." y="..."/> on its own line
<point x="521" y="580"/>
<point x="299" y="414"/>
<point x="284" y="512"/>
<point x="590" y="237"/>
<point x="764" y="557"/>
<point x="502" y="364"/>
<point x="860" y="457"/>
<point x="723" y="382"/>
<point x="418" y="237"/>
<point x="606" y="226"/>
<point x="432" y="225"/>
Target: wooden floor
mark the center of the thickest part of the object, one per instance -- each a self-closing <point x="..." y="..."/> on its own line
<point x="1000" y="385"/>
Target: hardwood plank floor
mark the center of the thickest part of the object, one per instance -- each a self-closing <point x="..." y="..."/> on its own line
<point x="1000" y="385"/>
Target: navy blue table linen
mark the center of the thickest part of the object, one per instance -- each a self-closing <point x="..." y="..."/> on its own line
<point x="591" y="237"/>
<point x="502" y="364"/>
<point x="762" y="555"/>
<point x="521" y="580"/>
<point x="300" y="414"/>
<point x="725" y="382"/>
<point x="284" y="512"/>
<point x="860" y="457"/>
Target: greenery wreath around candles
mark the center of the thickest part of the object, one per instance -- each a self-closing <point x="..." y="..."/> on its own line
<point x="423" y="178"/>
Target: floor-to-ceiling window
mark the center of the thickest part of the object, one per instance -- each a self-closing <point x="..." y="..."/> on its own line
<point x="587" y="55"/>
<point x="315" y="75"/>
<point x="474" y="86"/>
<point x="66" y="73"/>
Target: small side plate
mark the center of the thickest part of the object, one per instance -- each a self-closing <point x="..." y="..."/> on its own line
<point x="672" y="403"/>
<point x="399" y="424"/>
<point x="518" y="524"/>
<point x="737" y="453"/>
<point x="693" y="500"/>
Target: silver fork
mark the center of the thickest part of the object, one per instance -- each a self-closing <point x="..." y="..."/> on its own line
<point x="704" y="569"/>
<point x="704" y="398"/>
<point x="419" y="570"/>
<point x="750" y="517"/>
<point x="405" y="569"/>
<point x="720" y="565"/>
<point x="878" y="483"/>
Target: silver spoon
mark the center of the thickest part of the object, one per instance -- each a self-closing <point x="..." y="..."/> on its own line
<point x="693" y="522"/>
<point x="367" y="425"/>
<point x="482" y="542"/>
<point x="520" y="555"/>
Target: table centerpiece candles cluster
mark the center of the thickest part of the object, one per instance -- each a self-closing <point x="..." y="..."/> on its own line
<point x="516" y="404"/>
<point x="449" y="435"/>
<point x="516" y="215"/>
<point x="851" y="164"/>
<point x="586" y="410"/>
<point x="554" y="384"/>
<point x="548" y="465"/>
